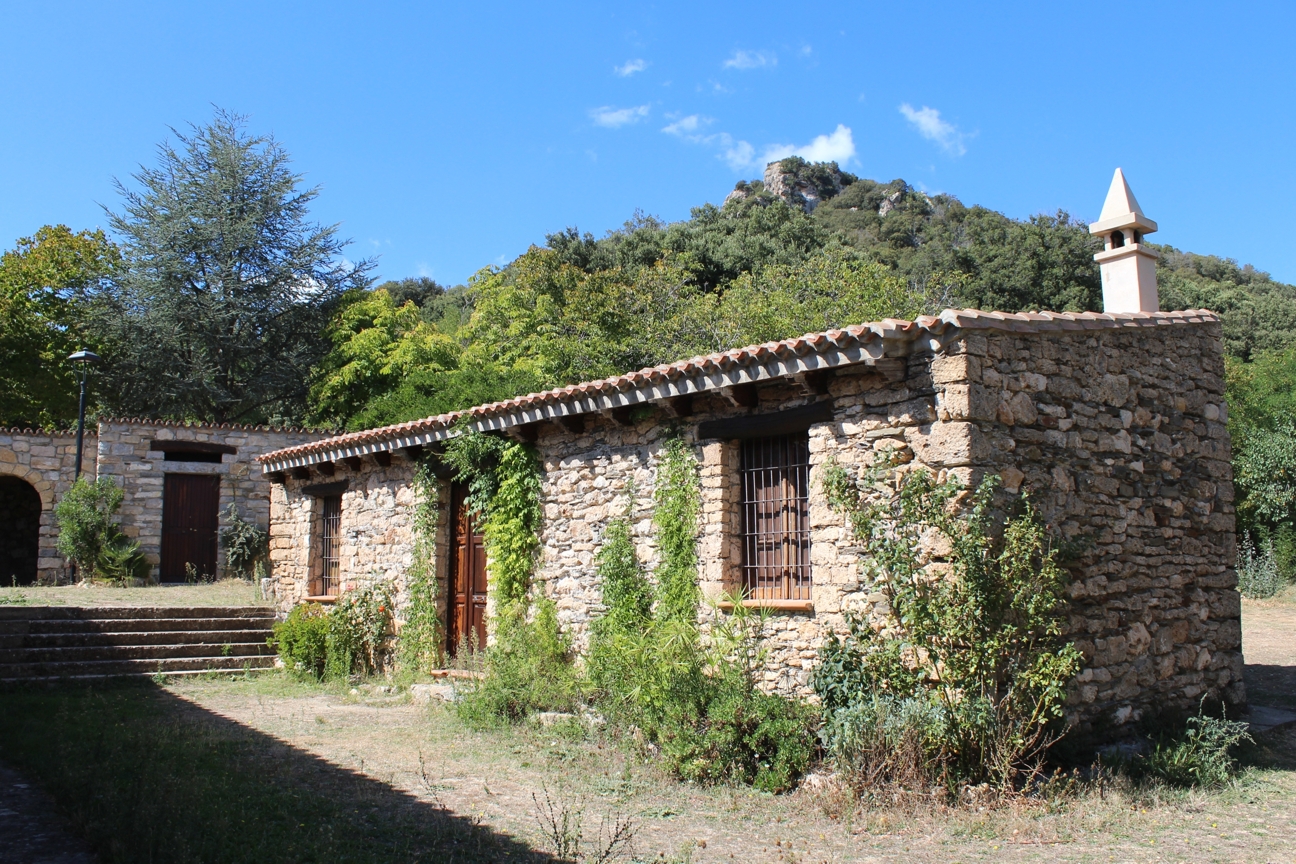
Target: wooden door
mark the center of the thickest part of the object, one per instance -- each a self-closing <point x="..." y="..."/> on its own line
<point x="190" y="508"/>
<point x="467" y="607"/>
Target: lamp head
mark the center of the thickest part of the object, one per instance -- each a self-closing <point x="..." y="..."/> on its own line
<point x="84" y="357"/>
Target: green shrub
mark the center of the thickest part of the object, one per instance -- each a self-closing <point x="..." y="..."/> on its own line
<point x="695" y="698"/>
<point x="358" y="629"/>
<point x="86" y="527"/>
<point x="121" y="559"/>
<point x="245" y="543"/>
<point x="1200" y="756"/>
<point x="1258" y="572"/>
<point x="421" y="636"/>
<point x="302" y="639"/>
<point x="743" y="735"/>
<point x="965" y="683"/>
<point x="351" y="638"/>
<point x="528" y="669"/>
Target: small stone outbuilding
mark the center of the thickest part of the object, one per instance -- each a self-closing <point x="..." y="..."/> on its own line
<point x="177" y="479"/>
<point x="1114" y="422"/>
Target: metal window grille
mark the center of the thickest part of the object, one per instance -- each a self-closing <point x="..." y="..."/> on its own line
<point x="776" y="518"/>
<point x="331" y="546"/>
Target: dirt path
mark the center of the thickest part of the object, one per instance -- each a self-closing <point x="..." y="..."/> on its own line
<point x="1269" y="646"/>
<point x="425" y="751"/>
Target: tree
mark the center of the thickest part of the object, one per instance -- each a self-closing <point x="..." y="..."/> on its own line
<point x="44" y="281"/>
<point x="377" y="345"/>
<point x="220" y="308"/>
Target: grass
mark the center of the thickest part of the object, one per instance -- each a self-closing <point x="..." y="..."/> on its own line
<point x="227" y="592"/>
<point x="147" y="776"/>
<point x="269" y="768"/>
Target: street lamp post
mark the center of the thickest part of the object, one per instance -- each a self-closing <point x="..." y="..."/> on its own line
<point x="84" y="359"/>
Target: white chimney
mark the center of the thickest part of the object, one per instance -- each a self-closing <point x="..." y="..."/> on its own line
<point x="1128" y="267"/>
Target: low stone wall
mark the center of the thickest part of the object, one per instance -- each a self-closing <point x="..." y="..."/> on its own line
<point x="47" y="462"/>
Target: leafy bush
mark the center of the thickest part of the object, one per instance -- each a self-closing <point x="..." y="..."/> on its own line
<point x="421" y="634"/>
<point x="742" y="735"/>
<point x="1258" y="572"/>
<point x="528" y="669"/>
<point x="1200" y="756"/>
<point x="121" y="559"/>
<point x="302" y="639"/>
<point x="358" y="629"/>
<point x="246" y="544"/>
<point x="964" y="683"/>
<point x="352" y="637"/>
<point x="696" y="699"/>
<point x="90" y="539"/>
<point x="693" y="697"/>
<point x="503" y="480"/>
<point x="882" y="740"/>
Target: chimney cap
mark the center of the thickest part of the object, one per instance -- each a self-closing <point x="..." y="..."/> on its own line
<point x="1121" y="210"/>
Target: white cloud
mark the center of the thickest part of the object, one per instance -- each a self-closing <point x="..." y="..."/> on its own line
<point x="685" y="127"/>
<point x="630" y="67"/>
<point x="615" y="118"/>
<point x="837" y="146"/>
<point x="738" y="154"/>
<point x="929" y="124"/>
<point x="750" y="60"/>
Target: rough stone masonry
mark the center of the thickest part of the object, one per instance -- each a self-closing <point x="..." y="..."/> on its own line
<point x="1115" y="424"/>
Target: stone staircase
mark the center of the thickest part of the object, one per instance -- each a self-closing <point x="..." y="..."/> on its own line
<point x="52" y="642"/>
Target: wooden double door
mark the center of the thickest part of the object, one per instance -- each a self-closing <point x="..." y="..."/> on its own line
<point x="466" y="610"/>
<point x="190" y="513"/>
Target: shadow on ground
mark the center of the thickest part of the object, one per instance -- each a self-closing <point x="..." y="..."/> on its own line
<point x="1271" y="685"/>
<point x="145" y="776"/>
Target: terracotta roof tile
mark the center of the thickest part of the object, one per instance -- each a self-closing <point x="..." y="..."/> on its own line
<point x="943" y="327"/>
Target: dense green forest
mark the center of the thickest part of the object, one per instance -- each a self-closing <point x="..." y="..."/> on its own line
<point x="216" y="298"/>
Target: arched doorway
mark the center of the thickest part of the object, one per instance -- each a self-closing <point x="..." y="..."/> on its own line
<point x="20" y="514"/>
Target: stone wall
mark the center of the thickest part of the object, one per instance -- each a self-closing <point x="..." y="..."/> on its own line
<point x="47" y="462"/>
<point x="1117" y="433"/>
<point x="125" y="451"/>
<point x="378" y="515"/>
<point x="1121" y="438"/>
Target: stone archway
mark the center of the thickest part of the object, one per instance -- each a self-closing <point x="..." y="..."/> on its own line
<point x="21" y="509"/>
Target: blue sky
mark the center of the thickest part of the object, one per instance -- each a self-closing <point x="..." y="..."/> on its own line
<point x="446" y="137"/>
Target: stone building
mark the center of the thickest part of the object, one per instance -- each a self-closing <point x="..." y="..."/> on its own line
<point x="1115" y="422"/>
<point x="177" y="479"/>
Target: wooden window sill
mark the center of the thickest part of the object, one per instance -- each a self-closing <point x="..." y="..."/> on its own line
<point x="322" y="598"/>
<point x="777" y="605"/>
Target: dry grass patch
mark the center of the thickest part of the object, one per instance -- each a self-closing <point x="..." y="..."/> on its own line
<point x="227" y="592"/>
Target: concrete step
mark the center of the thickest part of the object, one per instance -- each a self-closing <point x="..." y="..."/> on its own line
<point x="148" y="637"/>
<point x="135" y="652"/>
<point x="128" y="625"/>
<point x="87" y="642"/>
<point x="12" y="672"/>
<point x="46" y="613"/>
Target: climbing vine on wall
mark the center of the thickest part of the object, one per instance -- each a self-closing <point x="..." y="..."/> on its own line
<point x="421" y="636"/>
<point x="677" y="500"/>
<point x="503" y="480"/>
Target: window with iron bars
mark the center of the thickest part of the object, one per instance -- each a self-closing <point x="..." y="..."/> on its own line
<point x="775" y="476"/>
<point x="330" y="546"/>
